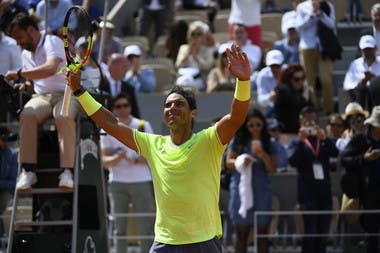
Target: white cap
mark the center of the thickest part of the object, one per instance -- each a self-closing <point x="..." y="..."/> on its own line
<point x="132" y="49"/>
<point x="109" y="25"/>
<point x="290" y="23"/>
<point x="367" y="41"/>
<point x="205" y="28"/>
<point x="274" y="57"/>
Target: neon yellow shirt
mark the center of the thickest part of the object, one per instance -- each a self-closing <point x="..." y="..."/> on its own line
<point x="186" y="184"/>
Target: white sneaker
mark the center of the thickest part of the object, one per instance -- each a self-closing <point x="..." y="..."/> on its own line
<point x="25" y="180"/>
<point x="66" y="180"/>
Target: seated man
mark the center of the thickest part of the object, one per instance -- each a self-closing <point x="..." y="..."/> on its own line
<point x="142" y="79"/>
<point x="43" y="56"/>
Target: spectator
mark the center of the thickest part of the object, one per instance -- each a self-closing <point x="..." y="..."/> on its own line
<point x="310" y="154"/>
<point x="129" y="179"/>
<point x="240" y="37"/>
<point x="8" y="10"/>
<point x="10" y="53"/>
<point x="335" y="127"/>
<point x="289" y="17"/>
<point x="194" y="55"/>
<point x="289" y="45"/>
<point x="374" y="91"/>
<point x="92" y="73"/>
<point x="56" y="10"/>
<point x="247" y="13"/>
<point x="112" y="44"/>
<point x="142" y="80"/>
<point x="354" y="117"/>
<point x="158" y="13"/>
<point x="362" y="71"/>
<point x="210" y="6"/>
<point x="275" y="129"/>
<point x="43" y="55"/>
<point x="267" y="80"/>
<point x="309" y="13"/>
<point x="251" y="157"/>
<point x="8" y="173"/>
<point x="186" y="175"/>
<point x="177" y="37"/>
<point x="354" y="11"/>
<point x="115" y="84"/>
<point x="375" y="16"/>
<point x="362" y="155"/>
<point x="289" y="99"/>
<point x="220" y="77"/>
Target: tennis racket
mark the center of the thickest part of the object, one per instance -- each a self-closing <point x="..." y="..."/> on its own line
<point x="77" y="34"/>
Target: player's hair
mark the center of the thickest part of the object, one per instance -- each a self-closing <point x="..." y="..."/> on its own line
<point x="186" y="93"/>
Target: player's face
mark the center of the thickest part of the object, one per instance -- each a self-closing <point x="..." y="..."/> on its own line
<point x="23" y="38"/>
<point x="177" y="111"/>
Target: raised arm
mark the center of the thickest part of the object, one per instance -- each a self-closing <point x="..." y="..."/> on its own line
<point x="238" y="65"/>
<point x="100" y="115"/>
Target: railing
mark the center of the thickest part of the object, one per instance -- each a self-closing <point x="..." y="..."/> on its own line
<point x="324" y="212"/>
<point x="111" y="218"/>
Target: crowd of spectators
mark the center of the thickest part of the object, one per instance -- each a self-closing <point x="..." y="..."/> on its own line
<point x="286" y="78"/>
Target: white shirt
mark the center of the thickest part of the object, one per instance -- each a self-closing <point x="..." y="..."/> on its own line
<point x="356" y="72"/>
<point x="376" y="35"/>
<point x="10" y="54"/>
<point x="306" y="23"/>
<point x="127" y="171"/>
<point x="245" y="12"/>
<point x="253" y="53"/>
<point x="49" y="46"/>
<point x="265" y="84"/>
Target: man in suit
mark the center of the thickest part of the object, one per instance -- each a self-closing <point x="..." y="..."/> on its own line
<point x="115" y="73"/>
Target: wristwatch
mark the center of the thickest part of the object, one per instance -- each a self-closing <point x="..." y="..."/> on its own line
<point x="79" y="91"/>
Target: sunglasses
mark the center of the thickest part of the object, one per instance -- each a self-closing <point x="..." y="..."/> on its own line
<point x="257" y="125"/>
<point x="356" y="119"/>
<point x="121" y="106"/>
<point x="298" y="79"/>
<point x="196" y="34"/>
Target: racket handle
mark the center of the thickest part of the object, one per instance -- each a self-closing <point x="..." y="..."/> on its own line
<point x="66" y="102"/>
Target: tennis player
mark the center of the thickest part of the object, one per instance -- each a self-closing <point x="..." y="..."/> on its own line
<point x="185" y="165"/>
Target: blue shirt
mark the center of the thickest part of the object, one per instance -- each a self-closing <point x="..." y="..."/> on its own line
<point x="8" y="169"/>
<point x="144" y="82"/>
<point x="290" y="52"/>
<point x="281" y="154"/>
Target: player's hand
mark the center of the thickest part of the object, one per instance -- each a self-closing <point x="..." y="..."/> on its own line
<point x="238" y="63"/>
<point x="73" y="79"/>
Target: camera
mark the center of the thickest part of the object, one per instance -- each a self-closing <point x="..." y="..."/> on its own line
<point x="10" y="95"/>
<point x="311" y="131"/>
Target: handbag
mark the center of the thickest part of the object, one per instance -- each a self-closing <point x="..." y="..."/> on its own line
<point x="350" y="204"/>
<point x="330" y="45"/>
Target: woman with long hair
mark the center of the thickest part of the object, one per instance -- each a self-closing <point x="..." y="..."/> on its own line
<point x="252" y="145"/>
<point x="289" y="98"/>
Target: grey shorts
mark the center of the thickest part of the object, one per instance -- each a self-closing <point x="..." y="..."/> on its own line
<point x="210" y="246"/>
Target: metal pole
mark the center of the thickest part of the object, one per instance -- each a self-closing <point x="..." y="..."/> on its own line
<point x="103" y="34"/>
